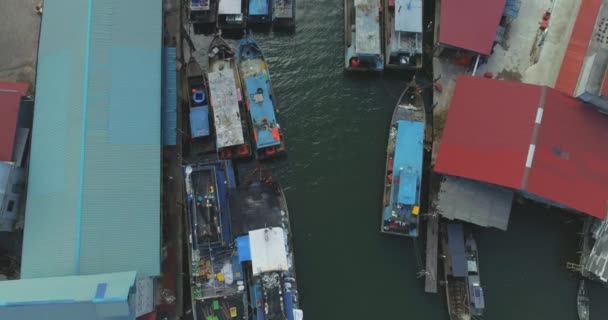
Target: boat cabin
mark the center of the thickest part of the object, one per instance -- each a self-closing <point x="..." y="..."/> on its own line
<point x="284" y="13"/>
<point x="403" y="34"/>
<point x="230" y="14"/>
<point x="203" y="11"/>
<point x="259" y="12"/>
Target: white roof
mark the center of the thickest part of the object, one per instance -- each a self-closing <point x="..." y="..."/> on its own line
<point x="408" y="15"/>
<point x="229" y="7"/>
<point x="268" y="251"/>
<point x="367" y="27"/>
<point x="225" y="103"/>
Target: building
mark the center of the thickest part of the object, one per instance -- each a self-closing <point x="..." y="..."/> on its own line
<point x="470" y="27"/>
<point x="530" y="139"/>
<point x="93" y="200"/>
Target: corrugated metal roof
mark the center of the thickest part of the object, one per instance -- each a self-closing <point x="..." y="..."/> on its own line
<point x="577" y="47"/>
<point x="93" y="202"/>
<point x="9" y="112"/>
<point x="95" y="297"/>
<point x="470" y="25"/>
<point x="530" y="138"/>
<point x="169" y="93"/>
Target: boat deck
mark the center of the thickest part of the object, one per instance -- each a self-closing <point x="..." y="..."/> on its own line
<point x="406" y="31"/>
<point x="225" y="101"/>
<point x="283" y="9"/>
<point x="261" y="108"/>
<point x="256" y="206"/>
<point x="367" y="27"/>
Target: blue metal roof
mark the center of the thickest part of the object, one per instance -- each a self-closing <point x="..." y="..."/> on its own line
<point x="242" y="245"/>
<point x="408" y="160"/>
<point x="262" y="113"/>
<point x="93" y="202"/>
<point x="199" y="121"/>
<point x="95" y="297"/>
<point x="258" y="7"/>
<point x="456" y="247"/>
<point x="169" y="96"/>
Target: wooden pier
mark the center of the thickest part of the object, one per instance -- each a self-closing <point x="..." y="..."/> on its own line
<point x="432" y="236"/>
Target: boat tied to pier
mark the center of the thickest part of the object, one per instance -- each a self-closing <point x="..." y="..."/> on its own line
<point x="404" y="165"/>
<point x="455" y="271"/>
<point x="261" y="105"/>
<point x="362" y="36"/>
<point x="202" y="13"/>
<point x="403" y="34"/>
<point x="202" y="135"/>
<point x="476" y="296"/>
<point x="231" y="14"/>
<point x="284" y="13"/>
<point x="582" y="301"/>
<point x="259" y="12"/>
<point x="226" y="100"/>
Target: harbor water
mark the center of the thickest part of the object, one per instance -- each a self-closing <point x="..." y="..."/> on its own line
<point x="336" y="127"/>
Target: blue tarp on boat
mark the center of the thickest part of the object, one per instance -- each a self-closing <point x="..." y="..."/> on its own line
<point x="199" y="121"/>
<point x="242" y="245"/>
<point x="456" y="247"/>
<point x="262" y="113"/>
<point x="408" y="186"/>
<point x="258" y="7"/>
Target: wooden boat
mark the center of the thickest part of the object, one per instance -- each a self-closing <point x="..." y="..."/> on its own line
<point x="226" y="99"/>
<point x="476" y="296"/>
<point x="403" y="34"/>
<point x="582" y="302"/>
<point x="455" y="271"/>
<point x="404" y="165"/>
<point x="362" y="36"/>
<point x="268" y="139"/>
<point x="202" y="134"/>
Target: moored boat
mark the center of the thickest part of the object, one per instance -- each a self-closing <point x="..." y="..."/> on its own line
<point x="455" y="271"/>
<point x="267" y="135"/>
<point x="284" y="13"/>
<point x="259" y="12"/>
<point x="202" y="13"/>
<point x="404" y="165"/>
<point x="261" y="225"/>
<point x="403" y="34"/>
<point x="217" y="284"/>
<point x="582" y="302"/>
<point x="226" y="99"/>
<point x="201" y="133"/>
<point x="362" y="36"/>
<point x="476" y="297"/>
<point x="231" y="14"/>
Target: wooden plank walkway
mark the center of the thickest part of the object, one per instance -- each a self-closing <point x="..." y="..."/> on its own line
<point x="432" y="236"/>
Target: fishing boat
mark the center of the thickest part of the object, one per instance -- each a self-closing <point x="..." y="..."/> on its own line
<point x="403" y="34"/>
<point x="201" y="133"/>
<point x="582" y="302"/>
<point x="267" y="136"/>
<point x="259" y="12"/>
<point x="229" y="112"/>
<point x="202" y="13"/>
<point x="231" y="14"/>
<point x="455" y="271"/>
<point x="260" y="221"/>
<point x="404" y="159"/>
<point x="362" y="35"/>
<point x="217" y="284"/>
<point x="284" y="13"/>
<point x="476" y="297"/>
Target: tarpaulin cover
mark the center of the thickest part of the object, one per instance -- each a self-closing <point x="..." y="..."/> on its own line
<point x="199" y="121"/>
<point x="456" y="247"/>
<point x="242" y="244"/>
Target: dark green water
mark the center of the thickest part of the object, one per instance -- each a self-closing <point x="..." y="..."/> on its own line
<point x="336" y="126"/>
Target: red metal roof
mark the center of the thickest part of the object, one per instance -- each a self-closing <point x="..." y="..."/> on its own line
<point x="20" y="87"/>
<point x="470" y="24"/>
<point x="577" y="47"/>
<point x="9" y="111"/>
<point x="492" y="125"/>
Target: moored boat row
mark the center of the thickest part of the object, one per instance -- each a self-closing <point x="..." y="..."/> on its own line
<point x="232" y="109"/>
<point x="238" y="14"/>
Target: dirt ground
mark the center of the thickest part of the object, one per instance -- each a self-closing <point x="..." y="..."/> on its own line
<point x="20" y="25"/>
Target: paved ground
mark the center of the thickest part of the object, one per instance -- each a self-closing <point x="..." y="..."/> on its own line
<point x="20" y="25"/>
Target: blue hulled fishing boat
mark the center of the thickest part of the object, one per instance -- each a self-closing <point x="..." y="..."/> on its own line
<point x="259" y="12"/>
<point x="404" y="158"/>
<point x="267" y="135"/>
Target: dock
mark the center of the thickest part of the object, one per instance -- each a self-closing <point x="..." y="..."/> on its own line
<point x="432" y="238"/>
